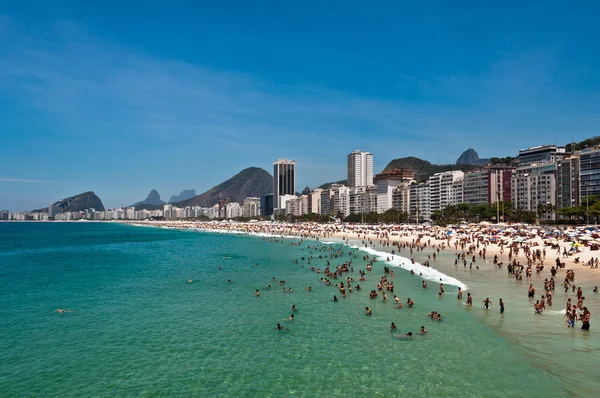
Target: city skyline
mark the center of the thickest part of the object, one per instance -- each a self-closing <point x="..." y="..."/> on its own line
<point x="185" y="97"/>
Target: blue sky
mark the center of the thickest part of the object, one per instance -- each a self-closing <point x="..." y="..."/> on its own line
<point x="122" y="97"/>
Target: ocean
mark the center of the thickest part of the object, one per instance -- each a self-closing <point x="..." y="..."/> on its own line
<point x="139" y="327"/>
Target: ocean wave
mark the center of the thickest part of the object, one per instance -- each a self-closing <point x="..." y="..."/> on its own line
<point x="427" y="273"/>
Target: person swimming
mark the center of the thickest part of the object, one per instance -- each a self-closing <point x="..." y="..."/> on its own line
<point x="368" y="311"/>
<point x="423" y="330"/>
<point x="61" y="311"/>
<point x="393" y="327"/>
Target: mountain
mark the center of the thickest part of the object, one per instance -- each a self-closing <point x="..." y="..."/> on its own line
<point x="470" y="157"/>
<point x="252" y="181"/>
<point x="152" y="202"/>
<point x="81" y="202"/>
<point x="186" y="194"/>
<point x="424" y="169"/>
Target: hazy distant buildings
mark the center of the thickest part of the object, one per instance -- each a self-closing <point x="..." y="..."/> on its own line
<point x="284" y="181"/>
<point x="360" y="169"/>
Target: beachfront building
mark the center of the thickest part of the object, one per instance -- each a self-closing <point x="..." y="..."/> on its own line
<point x="534" y="185"/>
<point x="589" y="172"/>
<point x="232" y="210"/>
<point x="456" y="192"/>
<point x="326" y="199"/>
<point x="444" y="189"/>
<point x="297" y="206"/>
<point x="284" y="181"/>
<point x="543" y="154"/>
<point x="488" y="185"/>
<point x="314" y="201"/>
<point x="53" y="210"/>
<point x="401" y="197"/>
<point x="4" y="215"/>
<point x="283" y="200"/>
<point x="266" y="205"/>
<point x="363" y="200"/>
<point x="386" y="182"/>
<point x="567" y="181"/>
<point x="420" y="207"/>
<point x="167" y="211"/>
<point x="341" y="200"/>
<point x="360" y="169"/>
<point x="214" y="212"/>
<point x="251" y="207"/>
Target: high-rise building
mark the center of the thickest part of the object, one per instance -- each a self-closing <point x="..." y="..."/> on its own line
<point x="284" y="180"/>
<point x="360" y="169"/>
<point x="543" y="154"/>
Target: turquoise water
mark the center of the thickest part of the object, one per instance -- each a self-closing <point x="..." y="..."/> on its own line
<point x="140" y="329"/>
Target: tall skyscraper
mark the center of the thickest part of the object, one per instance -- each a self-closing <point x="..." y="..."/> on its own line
<point x="284" y="180"/>
<point x="360" y="169"/>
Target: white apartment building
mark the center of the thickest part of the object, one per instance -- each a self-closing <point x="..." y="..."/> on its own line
<point x="314" y="201"/>
<point x="444" y="189"/>
<point x="284" y="198"/>
<point x="401" y="197"/>
<point x="360" y="169"/>
<point x="297" y="207"/>
<point x="420" y="206"/>
<point x="341" y="200"/>
<point x="386" y="182"/>
<point x="363" y="200"/>
<point x="251" y="207"/>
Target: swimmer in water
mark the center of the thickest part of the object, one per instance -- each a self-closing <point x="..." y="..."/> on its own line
<point x="257" y="294"/>
<point x="487" y="303"/>
<point x="291" y="318"/>
<point x="189" y="281"/>
<point x="335" y="299"/>
<point x="393" y="327"/>
<point x="501" y="306"/>
<point x="368" y="310"/>
<point x="423" y="331"/>
<point x="60" y="311"/>
<point x="294" y="308"/>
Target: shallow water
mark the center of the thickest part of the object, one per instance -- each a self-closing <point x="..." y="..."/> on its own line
<point x="140" y="329"/>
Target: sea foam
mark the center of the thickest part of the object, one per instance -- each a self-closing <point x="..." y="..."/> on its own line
<point x="427" y="273"/>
